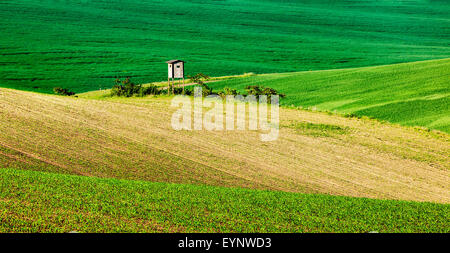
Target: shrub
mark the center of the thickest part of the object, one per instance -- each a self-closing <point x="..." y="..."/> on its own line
<point x="351" y="115"/>
<point x="63" y="92"/>
<point x="126" y="88"/>
<point x="200" y="79"/>
<point x="228" y="91"/>
<point x="187" y="91"/>
<point x="261" y="90"/>
<point x="257" y="90"/>
<point x="149" y="90"/>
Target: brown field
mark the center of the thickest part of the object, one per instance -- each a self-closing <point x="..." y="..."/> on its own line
<point x="132" y="138"/>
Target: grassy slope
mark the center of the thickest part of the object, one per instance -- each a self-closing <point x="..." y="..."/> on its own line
<point x="44" y="202"/>
<point x="414" y="94"/>
<point x="132" y="139"/>
<point x="82" y="45"/>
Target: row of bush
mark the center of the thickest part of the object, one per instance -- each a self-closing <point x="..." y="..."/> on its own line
<point x="126" y="88"/>
<point x="121" y="88"/>
<point x="255" y="90"/>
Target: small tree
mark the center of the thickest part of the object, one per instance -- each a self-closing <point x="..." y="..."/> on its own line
<point x="200" y="79"/>
<point x="126" y="88"/>
<point x="257" y="90"/>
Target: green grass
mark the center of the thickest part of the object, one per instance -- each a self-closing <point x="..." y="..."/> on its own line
<point x="413" y="94"/>
<point x="44" y="202"/>
<point x="82" y="45"/>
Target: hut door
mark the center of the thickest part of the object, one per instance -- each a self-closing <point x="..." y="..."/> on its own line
<point x="178" y="71"/>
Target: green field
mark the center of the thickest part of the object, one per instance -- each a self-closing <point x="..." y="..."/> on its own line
<point x="44" y="202"/>
<point x="414" y="94"/>
<point x="82" y="45"/>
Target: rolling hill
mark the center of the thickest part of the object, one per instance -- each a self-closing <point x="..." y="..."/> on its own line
<point x="82" y="45"/>
<point x="95" y="163"/>
<point x="413" y="94"/>
<point x="131" y="138"/>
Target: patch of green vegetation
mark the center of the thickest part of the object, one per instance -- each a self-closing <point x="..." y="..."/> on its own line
<point x="413" y="94"/>
<point x="84" y="44"/>
<point x="45" y="202"/>
<point x="418" y="112"/>
<point x="318" y="130"/>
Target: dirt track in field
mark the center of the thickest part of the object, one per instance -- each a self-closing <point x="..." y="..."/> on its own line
<point x="133" y="139"/>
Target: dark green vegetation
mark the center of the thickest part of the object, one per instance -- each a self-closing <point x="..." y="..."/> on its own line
<point x="253" y="90"/>
<point x="200" y="80"/>
<point x="414" y="94"/>
<point x="83" y="45"/>
<point x="63" y="92"/>
<point x="126" y="88"/>
<point x="44" y="202"/>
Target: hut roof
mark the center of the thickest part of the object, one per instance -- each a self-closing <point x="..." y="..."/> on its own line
<point x="173" y="61"/>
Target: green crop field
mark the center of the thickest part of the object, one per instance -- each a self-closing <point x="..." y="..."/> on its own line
<point x="44" y="202"/>
<point x="414" y="94"/>
<point x="82" y="45"/>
